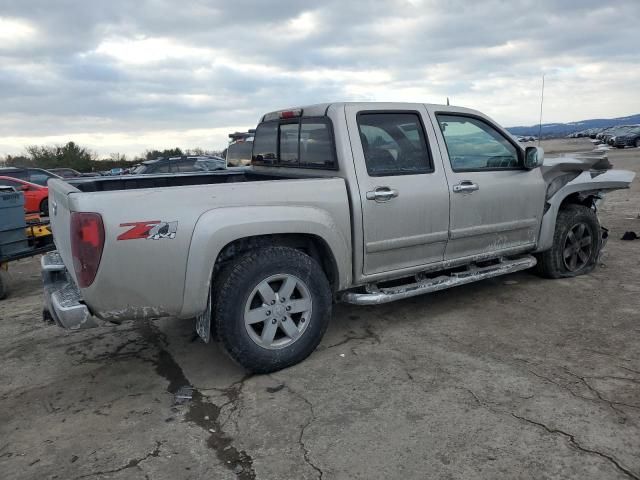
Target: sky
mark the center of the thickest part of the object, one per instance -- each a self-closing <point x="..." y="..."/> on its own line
<point x="125" y="76"/>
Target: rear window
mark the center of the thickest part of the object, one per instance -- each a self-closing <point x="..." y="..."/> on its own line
<point x="304" y="143"/>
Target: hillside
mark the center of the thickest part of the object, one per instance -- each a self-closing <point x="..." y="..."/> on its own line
<point x="550" y="130"/>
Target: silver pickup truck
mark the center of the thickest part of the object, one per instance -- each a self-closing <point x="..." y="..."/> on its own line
<point x="362" y="203"/>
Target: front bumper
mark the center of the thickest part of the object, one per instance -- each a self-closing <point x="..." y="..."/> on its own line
<point x="62" y="298"/>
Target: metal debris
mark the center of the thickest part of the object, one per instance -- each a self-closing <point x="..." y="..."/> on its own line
<point x="183" y="395"/>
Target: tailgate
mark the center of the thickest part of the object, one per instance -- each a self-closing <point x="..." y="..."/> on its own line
<point x="60" y="217"/>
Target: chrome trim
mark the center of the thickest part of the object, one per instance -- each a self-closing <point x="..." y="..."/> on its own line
<point x="376" y="295"/>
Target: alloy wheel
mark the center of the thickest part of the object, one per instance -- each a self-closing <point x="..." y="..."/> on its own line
<point x="278" y="311"/>
<point x="578" y="246"/>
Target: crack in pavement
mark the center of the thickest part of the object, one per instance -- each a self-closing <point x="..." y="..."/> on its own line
<point x="570" y="437"/>
<point x="312" y="418"/>
<point x="131" y="464"/>
<point x="576" y="444"/>
<point x="598" y="397"/>
<point x="597" y="393"/>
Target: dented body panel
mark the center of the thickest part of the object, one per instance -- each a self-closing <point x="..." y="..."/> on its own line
<point x="588" y="183"/>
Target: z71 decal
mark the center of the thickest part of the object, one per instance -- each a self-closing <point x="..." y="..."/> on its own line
<point x="150" y="230"/>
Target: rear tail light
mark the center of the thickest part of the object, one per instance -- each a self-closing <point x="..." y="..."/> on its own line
<point x="87" y="242"/>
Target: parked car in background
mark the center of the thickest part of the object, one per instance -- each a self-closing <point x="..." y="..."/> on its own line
<point x="65" y="172"/>
<point x="199" y="163"/>
<point x="71" y="173"/>
<point x="36" y="197"/>
<point x="629" y="138"/>
<point x="28" y="174"/>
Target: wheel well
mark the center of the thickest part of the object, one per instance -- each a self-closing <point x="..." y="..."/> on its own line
<point x="312" y="245"/>
<point x="587" y="199"/>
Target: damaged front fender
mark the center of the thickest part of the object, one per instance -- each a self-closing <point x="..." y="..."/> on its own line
<point x="587" y="184"/>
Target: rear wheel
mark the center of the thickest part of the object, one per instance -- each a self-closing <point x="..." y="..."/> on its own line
<point x="272" y="307"/>
<point x="44" y="207"/>
<point x="576" y="244"/>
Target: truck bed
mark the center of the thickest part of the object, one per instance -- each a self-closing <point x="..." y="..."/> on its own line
<point x="205" y="212"/>
<point x="133" y="182"/>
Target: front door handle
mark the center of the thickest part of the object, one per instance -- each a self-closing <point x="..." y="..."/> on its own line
<point x="466" y="186"/>
<point x="382" y="194"/>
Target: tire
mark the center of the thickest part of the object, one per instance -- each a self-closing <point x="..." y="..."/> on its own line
<point x="252" y="286"/>
<point x="44" y="207"/>
<point x="637" y="142"/>
<point x="576" y="244"/>
<point x="4" y="284"/>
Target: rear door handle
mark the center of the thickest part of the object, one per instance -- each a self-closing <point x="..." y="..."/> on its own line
<point x="382" y="194"/>
<point x="466" y="186"/>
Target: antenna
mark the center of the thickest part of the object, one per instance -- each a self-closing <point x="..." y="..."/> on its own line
<point x="541" y="102"/>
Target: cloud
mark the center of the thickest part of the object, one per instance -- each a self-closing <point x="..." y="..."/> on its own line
<point x="126" y="76"/>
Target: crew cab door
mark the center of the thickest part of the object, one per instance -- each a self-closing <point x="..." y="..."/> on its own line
<point x="403" y="192"/>
<point x="496" y="204"/>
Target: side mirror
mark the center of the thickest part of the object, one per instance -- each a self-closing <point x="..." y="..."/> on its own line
<point x="533" y="157"/>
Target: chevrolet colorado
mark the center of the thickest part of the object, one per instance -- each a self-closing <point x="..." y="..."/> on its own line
<point x="363" y="203"/>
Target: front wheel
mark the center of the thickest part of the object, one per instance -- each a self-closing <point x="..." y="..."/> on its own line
<point x="576" y="244"/>
<point x="272" y="307"/>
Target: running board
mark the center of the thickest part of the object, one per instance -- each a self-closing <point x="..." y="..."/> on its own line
<point x="375" y="295"/>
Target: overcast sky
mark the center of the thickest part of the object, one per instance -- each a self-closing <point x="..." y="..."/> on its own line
<point x="124" y="76"/>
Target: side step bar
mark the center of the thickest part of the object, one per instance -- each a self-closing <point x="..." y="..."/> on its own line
<point x="375" y="295"/>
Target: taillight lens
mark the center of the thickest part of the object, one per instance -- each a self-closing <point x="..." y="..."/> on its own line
<point x="87" y="241"/>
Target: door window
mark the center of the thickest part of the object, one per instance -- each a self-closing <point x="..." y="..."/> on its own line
<point x="184" y="166"/>
<point x="475" y="145"/>
<point x="394" y="144"/>
<point x="161" y="168"/>
<point x="39" y="178"/>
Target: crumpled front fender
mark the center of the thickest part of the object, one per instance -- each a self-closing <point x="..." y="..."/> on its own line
<point x="589" y="183"/>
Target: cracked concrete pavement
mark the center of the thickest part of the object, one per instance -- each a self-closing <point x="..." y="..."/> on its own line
<point x="514" y="377"/>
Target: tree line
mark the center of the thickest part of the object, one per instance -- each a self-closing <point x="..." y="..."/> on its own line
<point x="82" y="159"/>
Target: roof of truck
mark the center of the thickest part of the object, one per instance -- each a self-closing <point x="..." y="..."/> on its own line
<point x="320" y="109"/>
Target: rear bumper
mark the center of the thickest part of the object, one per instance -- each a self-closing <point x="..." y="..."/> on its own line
<point x="62" y="298"/>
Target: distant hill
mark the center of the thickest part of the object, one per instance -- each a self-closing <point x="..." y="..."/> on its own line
<point x="564" y="129"/>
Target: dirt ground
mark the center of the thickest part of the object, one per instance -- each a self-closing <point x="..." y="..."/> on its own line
<point x="515" y="377"/>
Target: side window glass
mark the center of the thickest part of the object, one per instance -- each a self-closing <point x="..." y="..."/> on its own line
<point x="162" y="168"/>
<point x="475" y="145"/>
<point x="394" y="144"/>
<point x="185" y="166"/>
<point x="38" y="178"/>
<point x="9" y="183"/>
<point x="289" y="143"/>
